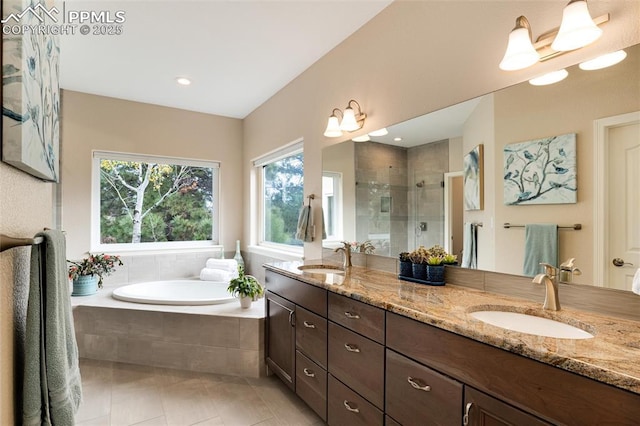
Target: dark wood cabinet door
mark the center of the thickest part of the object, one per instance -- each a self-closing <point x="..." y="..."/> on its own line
<point x="357" y="316"/>
<point x="346" y="408"/>
<point x="311" y="384"/>
<point x="417" y="395"/>
<point x="484" y="410"/>
<point x="281" y="338"/>
<point x="358" y="362"/>
<point x="311" y="335"/>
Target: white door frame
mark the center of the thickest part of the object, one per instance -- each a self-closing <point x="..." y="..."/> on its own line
<point x="448" y="199"/>
<point x="601" y="198"/>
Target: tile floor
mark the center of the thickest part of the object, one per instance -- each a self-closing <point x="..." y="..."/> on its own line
<point x="127" y="394"/>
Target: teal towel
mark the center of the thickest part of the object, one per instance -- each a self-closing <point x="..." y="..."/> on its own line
<point x="540" y="245"/>
<point x="52" y="386"/>
<point x="305" y="225"/>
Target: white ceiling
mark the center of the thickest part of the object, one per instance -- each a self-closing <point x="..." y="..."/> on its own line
<point x="238" y="53"/>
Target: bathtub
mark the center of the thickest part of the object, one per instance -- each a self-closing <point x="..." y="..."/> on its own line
<point x="175" y="292"/>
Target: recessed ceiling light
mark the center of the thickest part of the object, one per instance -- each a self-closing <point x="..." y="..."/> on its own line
<point x="183" y="81"/>
<point x="363" y="138"/>
<point x="549" y="78"/>
<point x="397" y="139"/>
<point x="603" y="61"/>
<point x="379" y="132"/>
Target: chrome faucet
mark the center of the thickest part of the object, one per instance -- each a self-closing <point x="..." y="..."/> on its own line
<point x="550" y="280"/>
<point x="346" y="251"/>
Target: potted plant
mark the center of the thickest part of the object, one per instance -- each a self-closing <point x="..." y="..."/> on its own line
<point x="246" y="288"/>
<point x="87" y="274"/>
<point x="450" y="259"/>
<point x="406" y="269"/>
<point x="419" y="262"/>
<point x="435" y="269"/>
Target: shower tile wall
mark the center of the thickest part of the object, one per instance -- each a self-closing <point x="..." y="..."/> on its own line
<point x="381" y="196"/>
<point x="426" y="166"/>
<point x="396" y="190"/>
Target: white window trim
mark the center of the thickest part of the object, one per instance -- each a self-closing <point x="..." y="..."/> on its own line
<point x="260" y="246"/>
<point x="129" y="248"/>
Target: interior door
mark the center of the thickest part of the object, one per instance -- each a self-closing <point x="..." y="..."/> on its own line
<point x="453" y="213"/>
<point x="623" y="185"/>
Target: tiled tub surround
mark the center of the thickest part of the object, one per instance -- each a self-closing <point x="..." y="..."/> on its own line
<point x="610" y="357"/>
<point x="221" y="338"/>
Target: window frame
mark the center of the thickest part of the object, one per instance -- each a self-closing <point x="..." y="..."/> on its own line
<point x="337" y="212"/>
<point x="96" y="244"/>
<point x="294" y="148"/>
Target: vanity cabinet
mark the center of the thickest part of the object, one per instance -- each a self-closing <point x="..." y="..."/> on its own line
<point x="537" y="389"/>
<point x="482" y="409"/>
<point x="281" y="338"/>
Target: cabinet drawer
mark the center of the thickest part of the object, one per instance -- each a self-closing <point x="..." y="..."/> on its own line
<point x="311" y="384"/>
<point x="305" y="295"/>
<point x="311" y="335"/>
<point x="358" y="362"/>
<point x="357" y="316"/>
<point x="418" y="395"/>
<point x="345" y="407"/>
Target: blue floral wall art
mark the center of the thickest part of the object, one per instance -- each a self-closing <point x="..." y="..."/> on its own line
<point x="473" y="179"/>
<point x="30" y="90"/>
<point x="541" y="171"/>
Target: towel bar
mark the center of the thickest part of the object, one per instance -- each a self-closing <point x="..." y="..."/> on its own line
<point x="7" y="242"/>
<point x="575" y="227"/>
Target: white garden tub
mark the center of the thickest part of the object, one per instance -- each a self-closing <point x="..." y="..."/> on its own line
<point x="175" y="292"/>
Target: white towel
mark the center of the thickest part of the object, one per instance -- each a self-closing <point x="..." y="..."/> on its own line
<point x="470" y="246"/>
<point x="208" y="274"/>
<point x="635" y="287"/>
<point x="229" y="265"/>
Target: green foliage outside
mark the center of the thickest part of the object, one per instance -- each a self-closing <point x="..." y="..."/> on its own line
<point x="147" y="202"/>
<point x="284" y="191"/>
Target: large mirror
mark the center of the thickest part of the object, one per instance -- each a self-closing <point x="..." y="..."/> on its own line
<point x="405" y="189"/>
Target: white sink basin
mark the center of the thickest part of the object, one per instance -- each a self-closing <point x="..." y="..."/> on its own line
<point x="531" y="324"/>
<point x="321" y="269"/>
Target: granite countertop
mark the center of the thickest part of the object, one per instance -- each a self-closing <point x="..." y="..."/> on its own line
<point x="612" y="356"/>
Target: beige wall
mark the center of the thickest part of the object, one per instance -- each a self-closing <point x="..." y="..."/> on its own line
<point x="413" y="58"/>
<point x="25" y="209"/>
<point x="99" y="123"/>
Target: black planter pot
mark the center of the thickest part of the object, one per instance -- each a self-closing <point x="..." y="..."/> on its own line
<point x="435" y="273"/>
<point x="406" y="269"/>
<point x="419" y="271"/>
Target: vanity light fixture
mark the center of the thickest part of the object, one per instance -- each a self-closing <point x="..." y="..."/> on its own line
<point x="183" y="81"/>
<point x="351" y="120"/>
<point x="549" y="78"/>
<point x="603" y="61"/>
<point x="576" y="30"/>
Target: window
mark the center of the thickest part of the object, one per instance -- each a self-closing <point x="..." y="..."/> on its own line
<point x="281" y="195"/>
<point x="148" y="202"/>
<point x="332" y="204"/>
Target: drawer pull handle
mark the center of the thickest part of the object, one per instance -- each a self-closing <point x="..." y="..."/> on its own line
<point x="417" y="385"/>
<point x="309" y="324"/>
<point x="351" y="315"/>
<point x="467" y="410"/>
<point x="308" y="372"/>
<point x="351" y="348"/>
<point x="348" y="406"/>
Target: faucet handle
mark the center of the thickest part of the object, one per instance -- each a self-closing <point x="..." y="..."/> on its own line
<point x="549" y="270"/>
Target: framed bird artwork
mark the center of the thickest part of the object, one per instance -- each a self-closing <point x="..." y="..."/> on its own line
<point x="541" y="171"/>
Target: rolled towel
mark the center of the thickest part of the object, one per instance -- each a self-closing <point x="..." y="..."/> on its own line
<point x="208" y="274"/>
<point x="229" y="265"/>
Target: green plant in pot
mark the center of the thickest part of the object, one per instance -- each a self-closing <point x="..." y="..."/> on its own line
<point x="246" y="288"/>
<point x="405" y="264"/>
<point x="435" y="269"/>
<point x="450" y="259"/>
<point x="88" y="273"/>
<point x="419" y="262"/>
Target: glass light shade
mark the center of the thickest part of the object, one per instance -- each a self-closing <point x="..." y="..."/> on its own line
<point x="577" y="28"/>
<point x="363" y="138"/>
<point x="549" y="78"/>
<point x="333" y="128"/>
<point x="349" y="123"/>
<point x="183" y="81"/>
<point x="520" y="51"/>
<point x="379" y="132"/>
<point x="603" y="61"/>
